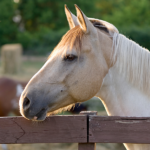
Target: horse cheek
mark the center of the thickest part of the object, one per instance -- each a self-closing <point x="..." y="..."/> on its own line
<point x="85" y="86"/>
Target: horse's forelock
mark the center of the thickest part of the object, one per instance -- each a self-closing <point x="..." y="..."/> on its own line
<point x="73" y="38"/>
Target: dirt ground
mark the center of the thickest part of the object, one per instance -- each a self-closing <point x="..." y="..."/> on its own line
<point x="57" y="146"/>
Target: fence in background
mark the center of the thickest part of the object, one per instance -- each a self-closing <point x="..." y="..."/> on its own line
<point x="86" y="129"/>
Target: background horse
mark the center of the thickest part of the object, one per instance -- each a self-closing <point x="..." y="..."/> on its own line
<point x="10" y="91"/>
<point x="92" y="59"/>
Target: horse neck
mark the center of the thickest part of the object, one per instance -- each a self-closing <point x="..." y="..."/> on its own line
<point x="122" y="98"/>
<point x="122" y="95"/>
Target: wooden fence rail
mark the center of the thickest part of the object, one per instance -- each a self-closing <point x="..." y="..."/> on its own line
<point x="55" y="129"/>
<point x="87" y="129"/>
<point x="119" y="129"/>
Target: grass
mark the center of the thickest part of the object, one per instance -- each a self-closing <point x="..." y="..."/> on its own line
<point x="29" y="66"/>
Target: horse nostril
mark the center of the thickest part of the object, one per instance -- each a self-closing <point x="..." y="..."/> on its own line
<point x="26" y="103"/>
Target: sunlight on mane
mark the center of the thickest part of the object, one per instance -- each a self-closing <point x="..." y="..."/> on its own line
<point x="133" y="62"/>
<point x="60" y="110"/>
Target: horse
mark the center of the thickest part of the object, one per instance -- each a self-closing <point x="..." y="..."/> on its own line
<point x="92" y="59"/>
<point x="10" y="91"/>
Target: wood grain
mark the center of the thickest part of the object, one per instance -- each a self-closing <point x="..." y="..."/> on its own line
<point x="55" y="129"/>
<point x="119" y="129"/>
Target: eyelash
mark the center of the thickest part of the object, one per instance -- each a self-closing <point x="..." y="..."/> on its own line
<point x="70" y="57"/>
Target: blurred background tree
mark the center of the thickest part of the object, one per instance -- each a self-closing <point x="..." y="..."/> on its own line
<point x="8" y="29"/>
<point x="45" y="22"/>
<point x="39" y="24"/>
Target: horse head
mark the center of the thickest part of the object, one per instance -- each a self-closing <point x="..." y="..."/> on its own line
<point x="74" y="71"/>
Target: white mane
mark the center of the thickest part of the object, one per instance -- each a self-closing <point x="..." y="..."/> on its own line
<point x="132" y="61"/>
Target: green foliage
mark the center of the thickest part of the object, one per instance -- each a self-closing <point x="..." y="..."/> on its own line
<point x="130" y="13"/>
<point x="139" y="35"/>
<point x="45" y="22"/>
<point x="132" y="19"/>
<point x="49" y="13"/>
<point x="7" y="27"/>
<point x="41" y="42"/>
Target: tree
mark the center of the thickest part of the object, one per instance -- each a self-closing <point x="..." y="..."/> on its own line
<point x="130" y="13"/>
<point x="50" y="13"/>
<point x="8" y="28"/>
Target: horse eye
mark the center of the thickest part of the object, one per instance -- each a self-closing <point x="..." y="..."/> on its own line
<point x="70" y="57"/>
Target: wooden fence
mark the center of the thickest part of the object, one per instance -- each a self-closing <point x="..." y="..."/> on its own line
<point x="86" y="129"/>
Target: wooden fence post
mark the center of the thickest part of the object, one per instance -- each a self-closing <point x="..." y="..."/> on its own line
<point x="11" y="58"/>
<point x="87" y="146"/>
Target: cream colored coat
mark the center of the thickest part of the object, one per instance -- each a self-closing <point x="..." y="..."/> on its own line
<point x="92" y="59"/>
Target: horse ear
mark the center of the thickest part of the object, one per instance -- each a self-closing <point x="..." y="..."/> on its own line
<point x="84" y="23"/>
<point x="72" y="19"/>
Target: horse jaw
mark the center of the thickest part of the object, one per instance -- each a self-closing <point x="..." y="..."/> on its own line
<point x="79" y="79"/>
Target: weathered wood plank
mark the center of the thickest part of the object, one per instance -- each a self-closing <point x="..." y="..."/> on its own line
<point x="119" y="129"/>
<point x="87" y="146"/>
<point x="88" y="113"/>
<point x="55" y="129"/>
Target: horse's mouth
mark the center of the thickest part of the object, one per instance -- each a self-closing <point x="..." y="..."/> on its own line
<point x="41" y="115"/>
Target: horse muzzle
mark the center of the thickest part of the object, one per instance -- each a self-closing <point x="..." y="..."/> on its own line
<point x="32" y="110"/>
